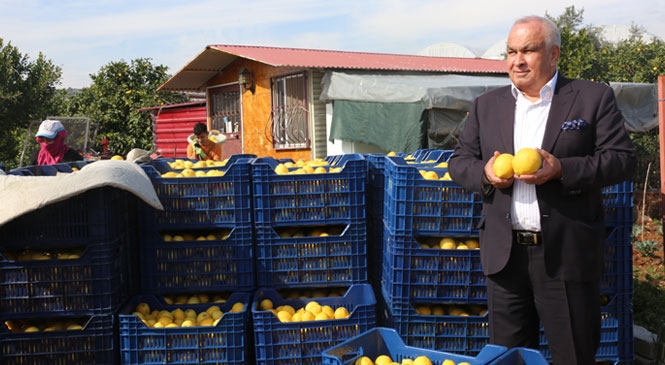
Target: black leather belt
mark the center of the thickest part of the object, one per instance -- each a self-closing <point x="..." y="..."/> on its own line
<point x="529" y="238"/>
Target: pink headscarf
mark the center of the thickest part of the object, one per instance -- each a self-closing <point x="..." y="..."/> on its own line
<point x="52" y="153"/>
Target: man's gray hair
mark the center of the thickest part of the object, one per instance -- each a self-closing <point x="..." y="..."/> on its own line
<point x="553" y="36"/>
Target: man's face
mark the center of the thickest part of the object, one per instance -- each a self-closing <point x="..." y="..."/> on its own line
<point x="530" y="64"/>
<point x="202" y="138"/>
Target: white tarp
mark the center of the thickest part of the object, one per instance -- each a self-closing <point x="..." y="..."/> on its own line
<point x="638" y="102"/>
<point x="23" y="194"/>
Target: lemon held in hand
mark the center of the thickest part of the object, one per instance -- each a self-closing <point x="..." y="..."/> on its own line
<point x="526" y="161"/>
<point x="503" y="166"/>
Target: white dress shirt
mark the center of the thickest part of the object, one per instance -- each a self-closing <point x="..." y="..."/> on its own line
<point x="529" y="129"/>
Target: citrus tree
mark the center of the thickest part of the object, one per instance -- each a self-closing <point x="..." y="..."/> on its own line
<point x="586" y="55"/>
<point x="27" y="88"/>
<point x="117" y="91"/>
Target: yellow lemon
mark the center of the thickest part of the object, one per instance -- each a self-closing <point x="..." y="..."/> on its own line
<point x="424" y="310"/>
<point x="143" y="308"/>
<point x="313" y="307"/>
<point x="431" y="175"/>
<point x="117" y="157"/>
<point x="526" y="161"/>
<point x="287" y="308"/>
<point x="448" y="362"/>
<point x="383" y="360"/>
<point x="238" y="307"/>
<point x="284" y="316"/>
<point x="307" y="316"/>
<point x="447" y="243"/>
<point x="341" y="313"/>
<point x="322" y="316"/>
<point x="364" y="361"/>
<point x="266" y="304"/>
<point x="503" y="166"/>
<point x="422" y="360"/>
<point x="472" y="243"/>
<point x="281" y="169"/>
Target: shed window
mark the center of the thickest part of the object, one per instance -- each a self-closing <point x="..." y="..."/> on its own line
<point x="290" y="113"/>
<point x="225" y="103"/>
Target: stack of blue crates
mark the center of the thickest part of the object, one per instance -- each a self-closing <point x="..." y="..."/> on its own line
<point x="310" y="235"/>
<point x="200" y="244"/>
<point x="415" y="276"/>
<point x="67" y="264"/>
<point x="616" y="287"/>
<point x="416" y="211"/>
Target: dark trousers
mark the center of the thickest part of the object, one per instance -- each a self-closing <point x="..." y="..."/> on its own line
<point x="522" y="295"/>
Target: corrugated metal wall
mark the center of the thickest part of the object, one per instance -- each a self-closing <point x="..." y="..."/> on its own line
<point x="173" y="126"/>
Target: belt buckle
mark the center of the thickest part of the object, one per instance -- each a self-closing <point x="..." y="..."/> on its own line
<point x="527" y="238"/>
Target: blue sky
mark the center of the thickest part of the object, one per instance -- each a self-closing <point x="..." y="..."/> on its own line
<point x="81" y="36"/>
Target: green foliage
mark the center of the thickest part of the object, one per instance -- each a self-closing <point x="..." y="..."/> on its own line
<point x="587" y="56"/>
<point x="118" y="90"/>
<point x="646" y="247"/>
<point x="26" y="93"/>
<point x="648" y="300"/>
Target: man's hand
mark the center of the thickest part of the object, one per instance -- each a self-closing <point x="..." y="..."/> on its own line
<point x="550" y="170"/>
<point x="496" y="181"/>
<point x="199" y="151"/>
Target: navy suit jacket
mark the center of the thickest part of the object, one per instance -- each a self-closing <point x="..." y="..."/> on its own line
<point x="585" y="131"/>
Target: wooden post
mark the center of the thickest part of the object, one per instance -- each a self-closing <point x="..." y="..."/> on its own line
<point x="661" y="134"/>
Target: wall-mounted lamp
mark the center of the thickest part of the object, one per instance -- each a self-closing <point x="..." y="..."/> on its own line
<point x="246" y="80"/>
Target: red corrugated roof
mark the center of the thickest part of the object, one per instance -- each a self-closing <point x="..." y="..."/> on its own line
<point x="215" y="58"/>
<point x="314" y="58"/>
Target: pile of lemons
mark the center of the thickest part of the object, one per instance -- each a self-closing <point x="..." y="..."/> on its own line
<point x="49" y="325"/>
<point x="38" y="255"/>
<point x="211" y="236"/>
<point x="315" y="166"/>
<point x="450" y="243"/>
<point x="187" y="168"/>
<point x="178" y="318"/>
<point x="312" y="311"/>
<point x="387" y="360"/>
<point x="457" y="310"/>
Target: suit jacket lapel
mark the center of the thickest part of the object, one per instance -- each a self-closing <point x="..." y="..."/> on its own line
<point x="505" y="111"/>
<point x="562" y="101"/>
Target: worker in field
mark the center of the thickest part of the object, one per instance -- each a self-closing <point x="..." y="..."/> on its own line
<point x="51" y="137"/>
<point x="201" y="147"/>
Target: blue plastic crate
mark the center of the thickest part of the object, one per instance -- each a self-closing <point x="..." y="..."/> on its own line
<point x="618" y="204"/>
<point x="225" y="263"/>
<point x="96" y="283"/>
<point x="414" y="205"/>
<point x="226" y="343"/>
<point x="290" y="199"/>
<point x="617" y="278"/>
<point x="412" y="273"/>
<point x="50" y="170"/>
<point x="201" y="201"/>
<point x="340" y="258"/>
<point x="156" y="167"/>
<point x="94" y="344"/>
<point x="97" y="215"/>
<point x="616" y="332"/>
<point x="303" y="342"/>
<point x="520" y="355"/>
<point x="460" y="334"/>
<point x="386" y="341"/>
